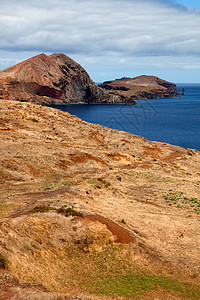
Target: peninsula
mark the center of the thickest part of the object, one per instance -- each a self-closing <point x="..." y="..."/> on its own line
<point x="141" y="87"/>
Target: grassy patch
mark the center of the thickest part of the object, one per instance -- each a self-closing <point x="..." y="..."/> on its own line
<point x="178" y="199"/>
<point x="129" y="284"/>
<point x="114" y="274"/>
<point x="110" y="272"/>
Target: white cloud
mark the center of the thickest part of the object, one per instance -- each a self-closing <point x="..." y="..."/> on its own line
<point x="100" y="29"/>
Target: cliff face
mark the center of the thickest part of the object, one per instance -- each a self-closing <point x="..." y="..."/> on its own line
<point x="142" y="87"/>
<point x="53" y="79"/>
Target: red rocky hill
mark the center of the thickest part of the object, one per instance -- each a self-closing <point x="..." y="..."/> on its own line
<point x="53" y="79"/>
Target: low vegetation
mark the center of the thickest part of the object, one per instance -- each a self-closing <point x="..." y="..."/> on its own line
<point x="113" y="273"/>
<point x="110" y="272"/>
<point x="3" y="262"/>
<point x="66" y="211"/>
<point x="179" y="200"/>
<point x="69" y="212"/>
<point x="42" y="209"/>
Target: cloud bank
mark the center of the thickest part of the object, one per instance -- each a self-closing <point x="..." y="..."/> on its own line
<point x="107" y="31"/>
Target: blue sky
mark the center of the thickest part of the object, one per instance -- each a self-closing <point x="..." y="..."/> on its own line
<point x="109" y="38"/>
<point x="192" y="3"/>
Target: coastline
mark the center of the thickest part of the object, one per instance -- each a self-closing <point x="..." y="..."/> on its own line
<point x="173" y="120"/>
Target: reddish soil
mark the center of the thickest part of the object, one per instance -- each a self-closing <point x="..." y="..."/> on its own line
<point x="122" y="235"/>
<point x="152" y="151"/>
<point x="82" y="157"/>
<point x="97" y="137"/>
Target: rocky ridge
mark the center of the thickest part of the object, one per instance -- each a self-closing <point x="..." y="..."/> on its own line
<point x="142" y="87"/>
<point x="53" y="79"/>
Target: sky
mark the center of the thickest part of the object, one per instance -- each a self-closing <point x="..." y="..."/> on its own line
<point x="109" y="38"/>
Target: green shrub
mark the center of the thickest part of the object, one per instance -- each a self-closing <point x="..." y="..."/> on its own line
<point x="69" y="212"/>
<point x="38" y="209"/>
<point x="3" y="262"/>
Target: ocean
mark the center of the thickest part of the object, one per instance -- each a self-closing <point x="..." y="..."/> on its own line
<point x="171" y="120"/>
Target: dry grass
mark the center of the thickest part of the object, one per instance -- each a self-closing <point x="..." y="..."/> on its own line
<point x="6" y="209"/>
<point x="79" y="256"/>
<point x="62" y="161"/>
<point x="38" y="246"/>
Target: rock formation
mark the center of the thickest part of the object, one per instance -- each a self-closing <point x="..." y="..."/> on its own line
<point x="53" y="79"/>
<point x="142" y="87"/>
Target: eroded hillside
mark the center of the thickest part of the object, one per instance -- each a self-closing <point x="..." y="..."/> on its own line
<point x="79" y="201"/>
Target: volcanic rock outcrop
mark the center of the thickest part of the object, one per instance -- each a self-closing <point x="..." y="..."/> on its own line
<point x="142" y="87"/>
<point x="53" y="79"/>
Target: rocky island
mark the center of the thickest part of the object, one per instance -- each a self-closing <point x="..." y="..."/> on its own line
<point x="54" y="79"/>
<point x="141" y="87"/>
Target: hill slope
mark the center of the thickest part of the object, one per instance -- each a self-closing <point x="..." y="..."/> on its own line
<point x="138" y="204"/>
<point x="53" y="79"/>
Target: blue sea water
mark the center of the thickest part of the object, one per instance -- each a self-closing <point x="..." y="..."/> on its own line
<point x="172" y="120"/>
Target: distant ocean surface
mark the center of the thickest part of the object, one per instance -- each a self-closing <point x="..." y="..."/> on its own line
<point x="172" y="120"/>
